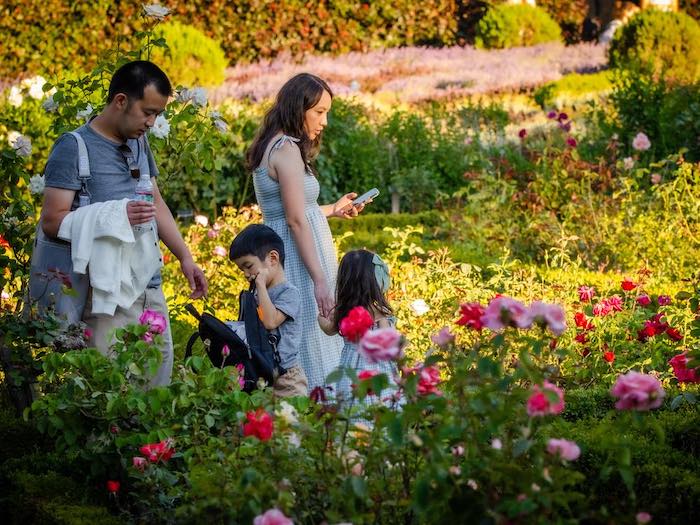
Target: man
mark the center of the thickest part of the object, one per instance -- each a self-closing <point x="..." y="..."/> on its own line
<point x="117" y="148"/>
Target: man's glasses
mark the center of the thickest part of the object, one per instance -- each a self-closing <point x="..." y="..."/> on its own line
<point x="130" y="161"/>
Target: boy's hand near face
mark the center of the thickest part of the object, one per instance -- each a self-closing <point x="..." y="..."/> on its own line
<point x="262" y="278"/>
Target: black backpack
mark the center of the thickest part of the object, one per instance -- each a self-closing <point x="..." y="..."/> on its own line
<point x="259" y="357"/>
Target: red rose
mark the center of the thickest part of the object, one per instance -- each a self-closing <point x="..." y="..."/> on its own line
<point x="471" y="315"/>
<point x="609" y="356"/>
<point x="628" y="285"/>
<point x="3" y="242"/>
<point x="674" y="334"/>
<point x="366" y="375"/>
<point x="113" y="486"/>
<point x="581" y="338"/>
<point x="680" y="369"/>
<point x="522" y="133"/>
<point x="583" y="322"/>
<point x="259" y="425"/>
<point x="155" y="452"/>
<point x="354" y="325"/>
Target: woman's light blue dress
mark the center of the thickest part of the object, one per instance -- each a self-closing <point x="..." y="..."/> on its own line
<point x="319" y="354"/>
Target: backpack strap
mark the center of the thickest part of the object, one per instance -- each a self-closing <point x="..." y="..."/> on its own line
<point x="190" y="344"/>
<point x="84" y="175"/>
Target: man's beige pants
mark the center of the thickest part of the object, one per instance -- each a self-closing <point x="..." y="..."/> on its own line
<point x="103" y="327"/>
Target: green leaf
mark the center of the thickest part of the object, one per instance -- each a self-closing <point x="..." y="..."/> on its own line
<point x="209" y="420"/>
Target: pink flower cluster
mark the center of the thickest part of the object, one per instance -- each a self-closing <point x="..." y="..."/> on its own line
<point x="608" y="306"/>
<point x="564" y="448"/>
<point x="636" y="391"/>
<point x="547" y="399"/>
<point x="503" y="311"/>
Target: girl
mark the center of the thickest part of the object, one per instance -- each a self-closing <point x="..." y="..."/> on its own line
<point x="363" y="279"/>
<point x="287" y="191"/>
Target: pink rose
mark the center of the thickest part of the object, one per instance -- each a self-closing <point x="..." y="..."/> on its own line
<point x="219" y="251"/>
<point x="428" y="379"/>
<point x="212" y="233"/>
<point x="443" y="338"/>
<point x="586" y="293"/>
<point x="643" y="517"/>
<point x="549" y="315"/>
<point x="664" y="300"/>
<point x="272" y="517"/>
<point x="637" y="391"/>
<point x="564" y="448"/>
<point x="155" y="321"/>
<point x="501" y="312"/>
<point x="641" y="142"/>
<point x="382" y="344"/>
<point x="138" y="462"/>
<point x="644" y="300"/>
<point x="540" y="402"/>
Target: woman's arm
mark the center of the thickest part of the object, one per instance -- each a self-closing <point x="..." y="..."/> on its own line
<point x="290" y="170"/>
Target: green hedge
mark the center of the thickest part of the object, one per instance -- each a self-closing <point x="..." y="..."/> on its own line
<point x="53" y="35"/>
<point x="666" y="45"/>
<point x="507" y="25"/>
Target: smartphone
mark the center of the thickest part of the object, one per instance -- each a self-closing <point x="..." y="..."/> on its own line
<point x="371" y="194"/>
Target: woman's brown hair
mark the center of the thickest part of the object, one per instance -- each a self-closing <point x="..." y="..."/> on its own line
<point x="299" y="94"/>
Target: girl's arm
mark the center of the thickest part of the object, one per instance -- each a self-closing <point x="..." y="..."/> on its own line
<point x="290" y="170"/>
<point x="327" y="325"/>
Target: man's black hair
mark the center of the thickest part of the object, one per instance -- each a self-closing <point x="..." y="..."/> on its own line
<point x="133" y="77"/>
<point x="258" y="240"/>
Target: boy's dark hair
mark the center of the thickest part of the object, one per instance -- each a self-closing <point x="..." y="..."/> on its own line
<point x="258" y="240"/>
<point x="133" y="77"/>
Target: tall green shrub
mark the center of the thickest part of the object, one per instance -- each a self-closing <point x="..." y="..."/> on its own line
<point x="192" y="58"/>
<point x="41" y="36"/>
<point x="506" y="26"/>
<point x="663" y="44"/>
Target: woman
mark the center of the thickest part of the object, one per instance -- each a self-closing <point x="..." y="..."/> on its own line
<point x="287" y="191"/>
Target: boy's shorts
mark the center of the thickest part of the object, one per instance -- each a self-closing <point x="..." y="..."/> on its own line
<point x="293" y="383"/>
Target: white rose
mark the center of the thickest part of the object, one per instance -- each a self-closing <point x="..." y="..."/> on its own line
<point x="156" y="11"/>
<point x="85" y="113"/>
<point x="36" y="86"/>
<point x="198" y="96"/>
<point x="419" y="307"/>
<point x="12" y="136"/>
<point x="215" y="114"/>
<point x="22" y="146"/>
<point x="36" y="184"/>
<point x="220" y="125"/>
<point x="202" y="220"/>
<point x="287" y="413"/>
<point x="15" y="97"/>
<point x="161" y="127"/>
<point x="294" y="439"/>
<point x="49" y="104"/>
<point x="183" y="96"/>
<point x="628" y="163"/>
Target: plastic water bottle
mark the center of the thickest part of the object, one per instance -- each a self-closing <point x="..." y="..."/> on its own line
<point x="144" y="192"/>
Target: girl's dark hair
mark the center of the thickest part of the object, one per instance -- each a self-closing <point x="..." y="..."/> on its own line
<point x="358" y="286"/>
<point x="299" y="94"/>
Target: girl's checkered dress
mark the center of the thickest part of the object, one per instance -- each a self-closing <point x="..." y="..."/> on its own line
<point x="319" y="354"/>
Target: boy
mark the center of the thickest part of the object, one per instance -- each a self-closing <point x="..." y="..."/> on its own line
<point x="259" y="253"/>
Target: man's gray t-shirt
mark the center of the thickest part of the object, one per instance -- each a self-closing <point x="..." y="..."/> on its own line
<point x="287" y="299"/>
<point x="109" y="170"/>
